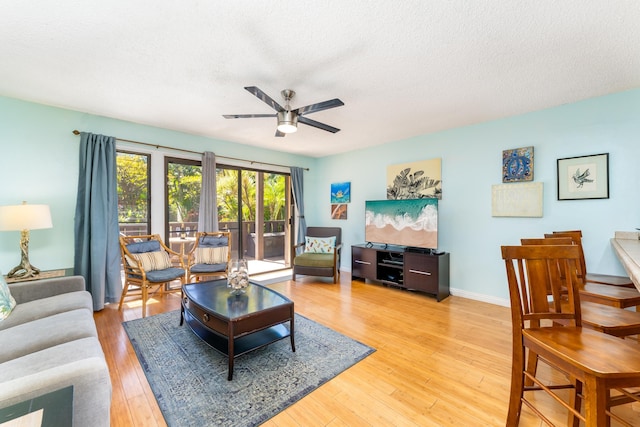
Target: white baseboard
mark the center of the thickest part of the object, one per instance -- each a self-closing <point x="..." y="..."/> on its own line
<point x="480" y="297"/>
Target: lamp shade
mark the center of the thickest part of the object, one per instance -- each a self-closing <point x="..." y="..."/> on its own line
<point x="25" y="217"/>
<point x="287" y="121"/>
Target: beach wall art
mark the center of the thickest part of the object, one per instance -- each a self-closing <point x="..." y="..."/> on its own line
<point x="406" y="222"/>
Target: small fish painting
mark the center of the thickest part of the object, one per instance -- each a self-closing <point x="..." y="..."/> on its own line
<point x="341" y="192"/>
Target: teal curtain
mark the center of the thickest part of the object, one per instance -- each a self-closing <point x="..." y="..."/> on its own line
<point x="298" y="199"/>
<point x="97" y="250"/>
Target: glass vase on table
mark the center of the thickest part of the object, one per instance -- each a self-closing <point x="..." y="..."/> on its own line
<point x="238" y="276"/>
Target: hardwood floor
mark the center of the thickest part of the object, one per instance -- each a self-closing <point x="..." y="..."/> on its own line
<point x="436" y="364"/>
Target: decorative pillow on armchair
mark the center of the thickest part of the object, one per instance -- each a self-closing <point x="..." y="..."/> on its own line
<point x="319" y="245"/>
<point x="158" y="260"/>
<point x="212" y="255"/>
<point x="7" y="302"/>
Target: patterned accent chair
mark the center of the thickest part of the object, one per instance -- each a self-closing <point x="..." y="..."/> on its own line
<point x="209" y="256"/>
<point x="321" y="254"/>
<point x="147" y="262"/>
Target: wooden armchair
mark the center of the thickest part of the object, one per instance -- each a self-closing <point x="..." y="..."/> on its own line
<point x="148" y="262"/>
<point x="209" y="256"/>
<point x="321" y="255"/>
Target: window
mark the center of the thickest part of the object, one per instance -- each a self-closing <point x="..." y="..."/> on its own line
<point x="134" y="216"/>
<point x="182" y="202"/>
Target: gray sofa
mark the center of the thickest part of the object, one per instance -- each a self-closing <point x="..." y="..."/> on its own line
<point x="48" y="342"/>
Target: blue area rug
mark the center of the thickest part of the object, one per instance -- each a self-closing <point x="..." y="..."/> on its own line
<point x="189" y="378"/>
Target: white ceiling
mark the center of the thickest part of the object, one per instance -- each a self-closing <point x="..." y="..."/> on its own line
<point x="402" y="68"/>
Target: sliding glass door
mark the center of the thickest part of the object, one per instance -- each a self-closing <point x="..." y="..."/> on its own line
<point x="253" y="206"/>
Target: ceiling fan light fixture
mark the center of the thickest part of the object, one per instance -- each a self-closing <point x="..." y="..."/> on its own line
<point x="287" y="121"/>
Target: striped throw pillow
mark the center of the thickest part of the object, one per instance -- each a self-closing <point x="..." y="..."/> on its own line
<point x="212" y="255"/>
<point x="157" y="260"/>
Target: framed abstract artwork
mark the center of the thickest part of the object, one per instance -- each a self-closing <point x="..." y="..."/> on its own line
<point x="517" y="165"/>
<point x="584" y="177"/>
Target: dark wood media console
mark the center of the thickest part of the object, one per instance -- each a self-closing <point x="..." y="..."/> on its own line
<point x="397" y="266"/>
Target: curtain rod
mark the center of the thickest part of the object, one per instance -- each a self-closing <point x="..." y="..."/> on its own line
<point x="77" y="132"/>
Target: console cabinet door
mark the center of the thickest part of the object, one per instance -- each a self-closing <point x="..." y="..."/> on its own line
<point x="363" y="263"/>
<point x="421" y="272"/>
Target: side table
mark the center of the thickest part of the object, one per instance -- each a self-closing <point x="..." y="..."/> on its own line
<point x="45" y="274"/>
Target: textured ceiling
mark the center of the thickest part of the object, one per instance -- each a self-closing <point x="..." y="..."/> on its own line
<point x="402" y="68"/>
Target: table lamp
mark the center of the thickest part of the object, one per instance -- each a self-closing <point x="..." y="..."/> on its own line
<point x="23" y="218"/>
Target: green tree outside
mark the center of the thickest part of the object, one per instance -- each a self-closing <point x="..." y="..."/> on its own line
<point x="131" y="172"/>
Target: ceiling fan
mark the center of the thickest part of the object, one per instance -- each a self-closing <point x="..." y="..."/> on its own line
<point x="288" y="119"/>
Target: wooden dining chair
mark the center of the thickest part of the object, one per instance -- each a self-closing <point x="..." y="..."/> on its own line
<point x="615" y="296"/>
<point x="603" y="318"/>
<point x="604" y="279"/>
<point x="543" y="291"/>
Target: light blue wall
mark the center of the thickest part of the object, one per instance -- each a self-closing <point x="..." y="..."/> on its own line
<point x="39" y="164"/>
<point x="471" y="164"/>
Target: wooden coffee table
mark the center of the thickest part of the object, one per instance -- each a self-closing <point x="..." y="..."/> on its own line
<point x="236" y="324"/>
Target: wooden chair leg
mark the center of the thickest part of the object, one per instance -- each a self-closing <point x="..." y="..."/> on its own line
<point x="145" y="294"/>
<point x="532" y="366"/>
<point x="575" y="400"/>
<point x="596" y="403"/>
<point x="517" y="392"/>
<point x="125" y="288"/>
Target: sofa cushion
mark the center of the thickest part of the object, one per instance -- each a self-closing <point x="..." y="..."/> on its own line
<point x="308" y="259"/>
<point x="79" y="363"/>
<point x="44" y="288"/>
<point x="323" y="245"/>
<point x="50" y="331"/>
<point x="7" y="302"/>
<point x="44" y="307"/>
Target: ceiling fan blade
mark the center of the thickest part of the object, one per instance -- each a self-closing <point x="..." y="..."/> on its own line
<point x="315" y="124"/>
<point x="246" y="116"/>
<point x="280" y="134"/>
<point x="313" y="108"/>
<point x="264" y="97"/>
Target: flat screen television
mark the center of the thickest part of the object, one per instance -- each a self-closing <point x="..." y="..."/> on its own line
<point x="408" y="222"/>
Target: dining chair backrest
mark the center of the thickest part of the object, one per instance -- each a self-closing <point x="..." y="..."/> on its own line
<point x="576" y="237"/>
<point x="540" y="278"/>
